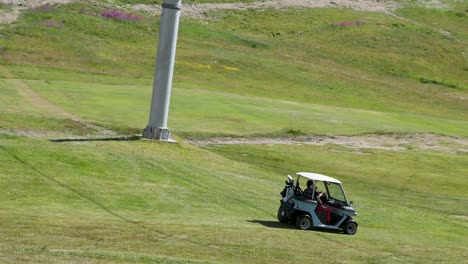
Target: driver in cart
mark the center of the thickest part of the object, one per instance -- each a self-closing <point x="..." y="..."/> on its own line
<point x="311" y="191"/>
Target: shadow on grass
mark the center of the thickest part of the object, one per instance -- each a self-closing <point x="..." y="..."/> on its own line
<point x="134" y="137"/>
<point x="272" y="224"/>
<point x="277" y="224"/>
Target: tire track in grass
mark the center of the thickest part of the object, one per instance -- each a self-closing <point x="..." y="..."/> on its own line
<point x="80" y="194"/>
<point x="39" y="102"/>
<point x="154" y="235"/>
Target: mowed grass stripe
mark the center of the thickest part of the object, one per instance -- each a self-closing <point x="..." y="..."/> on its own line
<point x="201" y="111"/>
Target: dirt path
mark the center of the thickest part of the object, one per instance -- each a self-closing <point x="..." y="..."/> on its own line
<point x="15" y="7"/>
<point x="200" y="10"/>
<point x="33" y="3"/>
<point x="42" y="103"/>
<point x="394" y="142"/>
<point x="34" y="98"/>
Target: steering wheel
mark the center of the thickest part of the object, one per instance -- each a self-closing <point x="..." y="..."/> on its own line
<point x="324" y="197"/>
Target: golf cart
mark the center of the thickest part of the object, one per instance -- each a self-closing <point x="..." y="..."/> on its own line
<point x="303" y="210"/>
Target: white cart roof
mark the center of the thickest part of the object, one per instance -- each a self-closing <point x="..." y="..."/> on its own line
<point x="317" y="177"/>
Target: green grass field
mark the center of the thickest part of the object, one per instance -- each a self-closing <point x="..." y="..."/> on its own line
<point x="241" y="73"/>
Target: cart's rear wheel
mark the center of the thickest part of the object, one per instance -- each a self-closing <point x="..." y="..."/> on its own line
<point x="350" y="228"/>
<point x="304" y="222"/>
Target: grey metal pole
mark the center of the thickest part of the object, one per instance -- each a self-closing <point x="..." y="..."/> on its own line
<point x="157" y="127"/>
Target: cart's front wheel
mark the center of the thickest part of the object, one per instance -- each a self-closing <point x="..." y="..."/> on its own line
<point x="350" y="228"/>
<point x="304" y="222"/>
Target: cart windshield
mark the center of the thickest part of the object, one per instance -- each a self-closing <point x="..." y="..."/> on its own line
<point x="336" y="192"/>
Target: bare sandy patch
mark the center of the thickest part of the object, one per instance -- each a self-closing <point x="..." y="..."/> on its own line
<point x="8" y="16"/>
<point x="461" y="217"/>
<point x="34" y="3"/>
<point x="393" y="142"/>
<point x="15" y="7"/>
<point x="33" y="134"/>
<point x="201" y="10"/>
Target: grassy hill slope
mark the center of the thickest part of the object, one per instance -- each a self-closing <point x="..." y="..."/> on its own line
<point x="68" y="73"/>
<point x="140" y="201"/>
